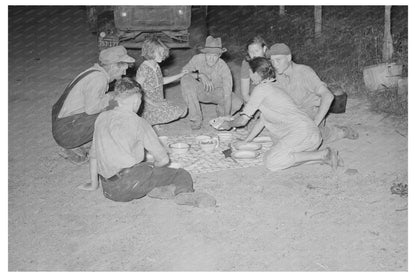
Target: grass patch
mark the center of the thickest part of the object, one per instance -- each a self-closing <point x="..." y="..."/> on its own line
<point x="388" y="101"/>
<point x="352" y="38"/>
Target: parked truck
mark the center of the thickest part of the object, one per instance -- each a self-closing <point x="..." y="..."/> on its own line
<point x="176" y="26"/>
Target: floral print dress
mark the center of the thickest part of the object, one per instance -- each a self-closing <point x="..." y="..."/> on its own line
<point x="149" y="75"/>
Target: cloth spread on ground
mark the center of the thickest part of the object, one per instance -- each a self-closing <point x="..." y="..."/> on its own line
<point x="197" y="161"/>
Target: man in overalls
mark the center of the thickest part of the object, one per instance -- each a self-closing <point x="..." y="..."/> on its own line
<point x="74" y="114"/>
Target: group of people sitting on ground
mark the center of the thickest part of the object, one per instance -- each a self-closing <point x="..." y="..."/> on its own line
<point x="113" y="129"/>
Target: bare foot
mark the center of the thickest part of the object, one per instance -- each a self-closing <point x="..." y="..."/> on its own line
<point x="87" y="187"/>
<point x="77" y="156"/>
<point x="332" y="158"/>
<point x="349" y="132"/>
<point x="196" y="199"/>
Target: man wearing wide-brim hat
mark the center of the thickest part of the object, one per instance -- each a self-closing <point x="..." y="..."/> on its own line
<point x="75" y="112"/>
<point x="209" y="81"/>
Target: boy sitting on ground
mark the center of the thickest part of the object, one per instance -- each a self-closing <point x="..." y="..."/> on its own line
<point x="118" y="150"/>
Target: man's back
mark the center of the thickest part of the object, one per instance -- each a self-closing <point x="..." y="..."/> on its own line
<point x="120" y="138"/>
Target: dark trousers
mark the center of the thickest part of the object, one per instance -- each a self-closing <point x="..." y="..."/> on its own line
<point x="74" y="130"/>
<point x="137" y="181"/>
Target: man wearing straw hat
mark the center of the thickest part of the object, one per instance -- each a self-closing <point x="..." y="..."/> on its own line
<point x="209" y="81"/>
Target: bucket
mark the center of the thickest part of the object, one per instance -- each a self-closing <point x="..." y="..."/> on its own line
<point x="339" y="103"/>
<point x="382" y="75"/>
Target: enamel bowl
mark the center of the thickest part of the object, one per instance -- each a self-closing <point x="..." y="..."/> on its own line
<point x="250" y="146"/>
<point x="202" y="138"/>
<point x="244" y="154"/>
<point x="179" y="147"/>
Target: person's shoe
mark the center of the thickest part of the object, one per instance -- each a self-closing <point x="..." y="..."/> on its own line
<point x="165" y="192"/>
<point x="196" y="199"/>
<point x="77" y="156"/>
<point x="196" y="125"/>
<point x="333" y="159"/>
<point x="349" y="132"/>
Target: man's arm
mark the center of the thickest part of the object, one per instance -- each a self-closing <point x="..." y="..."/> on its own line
<point x="95" y="99"/>
<point x="152" y="143"/>
<point x="239" y="121"/>
<point x="250" y="108"/>
<point x="170" y="79"/>
<point x="245" y="89"/>
<point x="326" y="99"/>
<point x="245" y="80"/>
<point x="227" y="80"/>
<point x="258" y="127"/>
<point x="93" y="176"/>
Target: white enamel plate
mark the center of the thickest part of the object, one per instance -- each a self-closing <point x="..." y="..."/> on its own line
<point x="252" y="146"/>
<point x="244" y="154"/>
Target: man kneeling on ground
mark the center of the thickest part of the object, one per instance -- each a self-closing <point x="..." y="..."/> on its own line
<point x="296" y="138"/>
<point x="117" y="153"/>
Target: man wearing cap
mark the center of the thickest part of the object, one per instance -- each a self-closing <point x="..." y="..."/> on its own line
<point x="209" y="81"/>
<point x="307" y="90"/>
<point x="74" y="114"/>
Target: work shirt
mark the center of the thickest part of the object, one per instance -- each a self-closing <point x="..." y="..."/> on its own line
<point x="279" y="113"/>
<point x="88" y="95"/>
<point x="119" y="140"/>
<point x="219" y="74"/>
<point x="302" y="84"/>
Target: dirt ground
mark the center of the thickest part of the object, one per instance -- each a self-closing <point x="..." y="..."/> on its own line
<point x="306" y="218"/>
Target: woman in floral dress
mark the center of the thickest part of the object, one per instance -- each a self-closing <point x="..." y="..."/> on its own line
<point x="157" y="110"/>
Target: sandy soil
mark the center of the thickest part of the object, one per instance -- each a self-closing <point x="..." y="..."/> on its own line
<point x="301" y="219"/>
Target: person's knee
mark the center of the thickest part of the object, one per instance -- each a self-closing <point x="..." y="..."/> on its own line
<point x="184" y="182"/>
<point x="187" y="81"/>
<point x="185" y="175"/>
